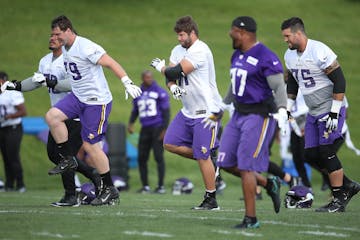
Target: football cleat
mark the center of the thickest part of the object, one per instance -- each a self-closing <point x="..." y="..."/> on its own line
<point x="66" y="163"/>
<point x="273" y="190"/>
<point x="107" y="196"/>
<point x="144" y="190"/>
<point x="247" y="223"/>
<point x="209" y="203"/>
<point x="67" y="201"/>
<point x="220" y="184"/>
<point x="334" y="205"/>
<point x="160" y="190"/>
<point x="351" y="189"/>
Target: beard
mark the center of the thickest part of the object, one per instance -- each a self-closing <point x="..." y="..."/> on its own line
<point x="187" y="43"/>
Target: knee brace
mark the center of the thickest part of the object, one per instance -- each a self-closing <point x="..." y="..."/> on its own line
<point x="329" y="159"/>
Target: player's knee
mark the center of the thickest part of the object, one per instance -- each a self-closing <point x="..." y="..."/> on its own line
<point x="53" y="116"/>
<point x="312" y="156"/>
<point x="329" y="158"/>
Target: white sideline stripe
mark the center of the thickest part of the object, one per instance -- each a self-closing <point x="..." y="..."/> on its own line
<point x="328" y="234"/>
<point x="55" y="235"/>
<point x="180" y="216"/>
<point x="148" y="234"/>
<point x="247" y="234"/>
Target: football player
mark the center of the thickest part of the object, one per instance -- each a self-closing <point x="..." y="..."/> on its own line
<point x="257" y="91"/>
<point x="90" y="100"/>
<point x="51" y="73"/>
<point x="191" y="78"/>
<point x="313" y="68"/>
<point x="153" y="109"/>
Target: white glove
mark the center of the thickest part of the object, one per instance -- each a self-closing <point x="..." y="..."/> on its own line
<point x="177" y="91"/>
<point x="39" y="78"/>
<point x="212" y="120"/>
<point x="331" y="119"/>
<point x="158" y="64"/>
<point x="7" y="85"/>
<point x="282" y="118"/>
<point x="130" y="88"/>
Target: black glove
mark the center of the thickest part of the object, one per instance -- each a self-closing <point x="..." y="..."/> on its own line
<point x="16" y="87"/>
<point x="51" y="83"/>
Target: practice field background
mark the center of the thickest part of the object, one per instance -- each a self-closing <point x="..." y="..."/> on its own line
<point x="134" y="32"/>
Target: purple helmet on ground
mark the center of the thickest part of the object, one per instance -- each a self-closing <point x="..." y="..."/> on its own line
<point x="299" y="197"/>
<point x="119" y="183"/>
<point x="87" y="193"/>
<point x="182" y="186"/>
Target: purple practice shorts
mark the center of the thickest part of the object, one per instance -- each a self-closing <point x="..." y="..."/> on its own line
<point x="189" y="132"/>
<point x="245" y="142"/>
<point x="316" y="133"/>
<point x="93" y="118"/>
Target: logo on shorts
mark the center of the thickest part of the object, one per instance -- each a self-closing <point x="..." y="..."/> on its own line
<point x="326" y="135"/>
<point x="203" y="149"/>
<point x="91" y="136"/>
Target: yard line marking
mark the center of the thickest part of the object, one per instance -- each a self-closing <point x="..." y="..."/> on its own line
<point x="55" y="235"/>
<point x="328" y="234"/>
<point x="148" y="234"/>
<point x="244" y="233"/>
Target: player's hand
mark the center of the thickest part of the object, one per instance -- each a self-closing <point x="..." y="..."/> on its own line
<point x="130" y="128"/>
<point x="7" y="86"/>
<point x="331" y="120"/>
<point x="282" y="118"/>
<point x="177" y="91"/>
<point x="212" y="120"/>
<point x="130" y="88"/>
<point x="39" y="78"/>
<point x="51" y="83"/>
<point x="158" y="64"/>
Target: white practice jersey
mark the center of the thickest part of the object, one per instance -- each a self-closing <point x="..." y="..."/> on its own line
<point x="299" y="108"/>
<point x="308" y="70"/>
<point x="202" y="96"/>
<point x="53" y="69"/>
<point x="8" y="102"/>
<point x="88" y="81"/>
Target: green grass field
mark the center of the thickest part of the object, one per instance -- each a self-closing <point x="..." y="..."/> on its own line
<point x="134" y="32"/>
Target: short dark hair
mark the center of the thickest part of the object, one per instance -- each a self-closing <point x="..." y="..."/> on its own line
<point x="62" y="22"/>
<point x="4" y="76"/>
<point x="186" y="24"/>
<point x="294" y="23"/>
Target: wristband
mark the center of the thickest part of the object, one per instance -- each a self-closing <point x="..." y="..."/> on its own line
<point x="336" y="106"/>
<point x="290" y="104"/>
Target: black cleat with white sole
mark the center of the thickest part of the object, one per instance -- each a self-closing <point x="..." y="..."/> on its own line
<point x="209" y="203"/>
<point x="67" y="201"/>
<point x="335" y="205"/>
<point x="66" y="163"/>
<point x="109" y="195"/>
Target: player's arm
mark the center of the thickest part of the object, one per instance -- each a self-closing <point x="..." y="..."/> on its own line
<point x="20" y="112"/>
<point x="335" y="74"/>
<point x="292" y="89"/>
<point x="108" y="62"/>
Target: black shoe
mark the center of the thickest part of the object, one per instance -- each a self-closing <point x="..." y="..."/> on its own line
<point x="160" y="190"/>
<point x="351" y="189"/>
<point x="220" y="184"/>
<point x="144" y="190"/>
<point x="107" y="195"/>
<point x="209" y="203"/>
<point x="273" y="190"/>
<point x="334" y="206"/>
<point x="67" y="201"/>
<point x="248" y="223"/>
<point x="66" y="163"/>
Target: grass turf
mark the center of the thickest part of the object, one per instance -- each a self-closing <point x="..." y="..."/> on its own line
<point x="139" y="216"/>
<point x="134" y="32"/>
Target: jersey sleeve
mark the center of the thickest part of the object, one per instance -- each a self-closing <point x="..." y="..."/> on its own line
<point x="172" y="59"/>
<point x="196" y="58"/>
<point x="17" y="98"/>
<point x="93" y="52"/>
<point x="325" y="56"/>
<point x="272" y="65"/>
<point x="164" y="102"/>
